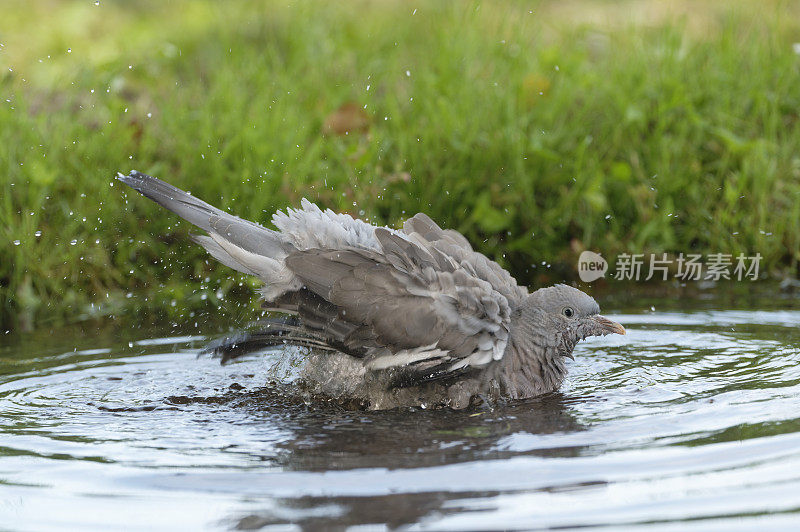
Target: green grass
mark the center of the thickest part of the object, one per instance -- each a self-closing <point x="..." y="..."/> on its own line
<point x="613" y="126"/>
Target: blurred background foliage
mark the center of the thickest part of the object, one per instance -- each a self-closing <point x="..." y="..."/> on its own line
<point x="538" y="129"/>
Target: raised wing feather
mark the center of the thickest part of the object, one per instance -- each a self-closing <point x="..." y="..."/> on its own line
<point x="456" y="247"/>
<point x="414" y="312"/>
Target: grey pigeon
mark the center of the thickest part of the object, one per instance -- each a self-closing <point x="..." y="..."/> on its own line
<point x="395" y="317"/>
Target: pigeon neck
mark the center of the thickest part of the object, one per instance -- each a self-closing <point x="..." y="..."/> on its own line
<point x="532" y="363"/>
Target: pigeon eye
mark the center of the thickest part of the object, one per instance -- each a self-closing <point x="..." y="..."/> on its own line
<point x="568" y="312"/>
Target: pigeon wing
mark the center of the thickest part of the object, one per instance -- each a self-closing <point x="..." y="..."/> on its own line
<point x="418" y="307"/>
<point x="455" y="246"/>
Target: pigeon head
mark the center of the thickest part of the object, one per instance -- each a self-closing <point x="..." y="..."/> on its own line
<point x="567" y="316"/>
<point x="545" y="329"/>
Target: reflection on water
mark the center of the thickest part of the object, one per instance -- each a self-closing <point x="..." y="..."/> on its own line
<point x="691" y="421"/>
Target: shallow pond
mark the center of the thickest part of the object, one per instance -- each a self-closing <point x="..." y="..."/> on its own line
<point x="690" y="422"/>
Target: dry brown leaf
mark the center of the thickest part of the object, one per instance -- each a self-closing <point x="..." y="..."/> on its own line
<point x="349" y="118"/>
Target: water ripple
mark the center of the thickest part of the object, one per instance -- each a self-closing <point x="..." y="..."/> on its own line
<point x="692" y="420"/>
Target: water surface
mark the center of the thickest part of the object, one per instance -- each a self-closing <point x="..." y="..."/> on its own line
<point x="690" y="422"/>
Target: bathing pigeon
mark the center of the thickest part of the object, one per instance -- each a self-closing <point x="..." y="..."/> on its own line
<point x="394" y="317"/>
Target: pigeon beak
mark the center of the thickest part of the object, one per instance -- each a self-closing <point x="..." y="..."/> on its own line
<point x="604" y="326"/>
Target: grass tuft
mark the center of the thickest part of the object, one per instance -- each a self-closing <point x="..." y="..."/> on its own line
<point x="613" y="126"/>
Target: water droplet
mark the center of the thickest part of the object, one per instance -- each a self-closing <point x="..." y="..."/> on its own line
<point x="16" y="242"/>
<point x="73" y="241"/>
<point x="37" y="233"/>
<point x="408" y="73"/>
